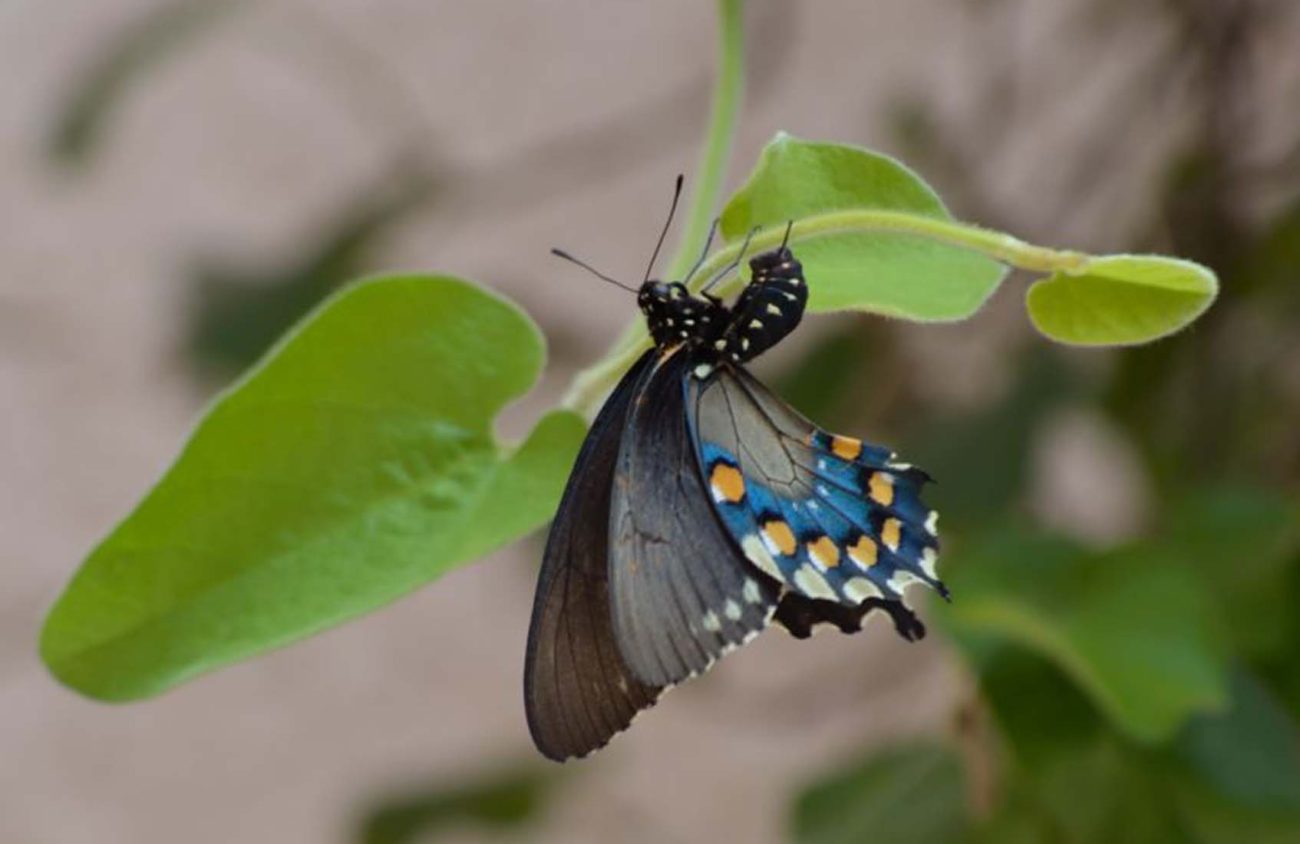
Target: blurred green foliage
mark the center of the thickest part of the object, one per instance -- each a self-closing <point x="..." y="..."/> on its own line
<point x="506" y="802"/>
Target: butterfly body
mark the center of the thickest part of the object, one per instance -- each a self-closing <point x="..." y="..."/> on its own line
<point x="700" y="508"/>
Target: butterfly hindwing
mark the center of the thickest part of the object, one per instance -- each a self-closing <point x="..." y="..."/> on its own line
<point x="578" y="691"/>
<point x="833" y="519"/>
<point x="682" y="594"/>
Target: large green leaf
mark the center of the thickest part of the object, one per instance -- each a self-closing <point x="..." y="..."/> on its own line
<point x="913" y="793"/>
<point x="1121" y="300"/>
<point x="1133" y="629"/>
<point x="354" y="464"/>
<point x="884" y="272"/>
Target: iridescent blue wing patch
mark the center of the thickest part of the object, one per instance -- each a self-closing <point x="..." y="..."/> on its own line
<point x="835" y="520"/>
<point x="681" y="594"/>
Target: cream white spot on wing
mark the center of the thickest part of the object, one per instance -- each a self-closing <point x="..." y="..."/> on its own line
<point x="731" y="610"/>
<point x="719" y="344"/>
<point x="901" y="580"/>
<point x="860" y="588"/>
<point x="755" y="323"/>
<point x="756" y="552"/>
<point x="929" y="559"/>
<point x="932" y="523"/>
<point x="812" y="584"/>
<point x="773" y="309"/>
<point x="751" y="592"/>
<point x="703" y="371"/>
<point x="711" y="622"/>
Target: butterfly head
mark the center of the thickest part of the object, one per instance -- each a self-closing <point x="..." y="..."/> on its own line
<point x="674" y="315"/>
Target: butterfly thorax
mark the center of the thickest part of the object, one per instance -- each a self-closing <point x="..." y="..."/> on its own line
<point x="768" y="309"/>
<point x="675" y="316"/>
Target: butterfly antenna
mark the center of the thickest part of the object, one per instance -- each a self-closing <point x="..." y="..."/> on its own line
<point x="740" y="256"/>
<point x="785" y="240"/>
<point x="708" y="241"/>
<point x="677" y="192"/>
<point x="560" y="253"/>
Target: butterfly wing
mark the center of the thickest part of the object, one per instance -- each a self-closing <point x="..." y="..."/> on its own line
<point x="682" y="593"/>
<point x="578" y="691"/>
<point x="835" y="520"/>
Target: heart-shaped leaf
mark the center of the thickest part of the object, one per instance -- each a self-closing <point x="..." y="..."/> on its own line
<point x="886" y="272"/>
<point x="353" y="465"/>
<point x="1121" y="300"/>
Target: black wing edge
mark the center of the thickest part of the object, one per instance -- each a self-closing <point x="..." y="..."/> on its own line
<point x="799" y="615"/>
<point x="578" y="691"/>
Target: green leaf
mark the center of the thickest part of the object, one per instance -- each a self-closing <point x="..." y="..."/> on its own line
<point x="885" y="272"/>
<point x="1132" y="629"/>
<point x="902" y="795"/>
<point x="1121" y="300"/>
<point x="353" y="465"/>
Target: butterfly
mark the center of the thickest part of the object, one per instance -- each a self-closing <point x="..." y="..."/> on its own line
<point x="701" y="507"/>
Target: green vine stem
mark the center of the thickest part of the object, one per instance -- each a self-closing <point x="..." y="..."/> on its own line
<point x="590" y="386"/>
<point x="728" y="91"/>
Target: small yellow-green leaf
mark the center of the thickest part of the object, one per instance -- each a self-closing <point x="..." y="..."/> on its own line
<point x="883" y="271"/>
<point x="1121" y="300"/>
<point x="353" y="465"/>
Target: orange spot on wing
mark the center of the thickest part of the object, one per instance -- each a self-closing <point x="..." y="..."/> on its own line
<point x="824" y="551"/>
<point x="727" y="483"/>
<point x="864" y="552"/>
<point x="891" y="533"/>
<point x="779" y="535"/>
<point x="846" y="447"/>
<point x="881" y="488"/>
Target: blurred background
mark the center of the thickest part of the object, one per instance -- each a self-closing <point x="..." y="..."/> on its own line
<point x="180" y="180"/>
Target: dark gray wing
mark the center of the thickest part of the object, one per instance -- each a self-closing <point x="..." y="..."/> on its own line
<point x="682" y="592"/>
<point x="578" y="692"/>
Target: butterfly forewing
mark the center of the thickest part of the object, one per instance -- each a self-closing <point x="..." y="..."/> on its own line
<point x="578" y="691"/>
<point x="682" y="593"/>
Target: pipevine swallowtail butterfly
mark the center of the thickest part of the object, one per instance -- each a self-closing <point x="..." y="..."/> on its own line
<point x="700" y="508"/>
